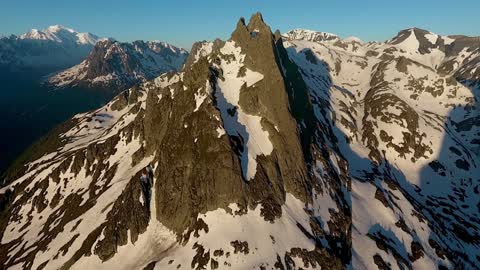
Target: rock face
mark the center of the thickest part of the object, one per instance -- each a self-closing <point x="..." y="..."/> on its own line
<point x="121" y="65"/>
<point x="270" y="152"/>
<point x="53" y="48"/>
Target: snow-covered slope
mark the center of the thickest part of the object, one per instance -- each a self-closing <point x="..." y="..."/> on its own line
<point x="409" y="129"/>
<point x="54" y="47"/>
<point x="112" y="63"/>
<point x="270" y="152"/>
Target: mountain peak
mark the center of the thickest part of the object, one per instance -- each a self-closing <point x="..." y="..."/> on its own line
<point x="256" y="25"/>
<point x="241" y="22"/>
<point x="310" y="35"/>
<point x="256" y="18"/>
<point x="420" y="41"/>
<point x="60" y="34"/>
<point x="408" y="32"/>
<point x="57" y="28"/>
<point x="417" y="30"/>
<point x="33" y="34"/>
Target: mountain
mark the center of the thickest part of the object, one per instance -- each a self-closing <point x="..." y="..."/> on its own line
<point x="304" y="34"/>
<point x="61" y="34"/>
<point x="115" y="64"/>
<point x="269" y="151"/>
<point x="406" y="116"/>
<point x="28" y="106"/>
<point x="55" y="47"/>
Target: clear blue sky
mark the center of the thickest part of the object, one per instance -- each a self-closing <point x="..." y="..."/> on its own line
<point x="183" y="22"/>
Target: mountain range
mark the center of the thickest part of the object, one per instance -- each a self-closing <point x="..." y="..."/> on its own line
<point x="87" y="70"/>
<point x="272" y="151"/>
<point x="85" y="60"/>
<point x="55" y="47"/>
<point x="115" y="64"/>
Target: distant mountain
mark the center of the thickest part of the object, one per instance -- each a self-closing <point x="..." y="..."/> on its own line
<point x="54" y="48"/>
<point x="309" y="35"/>
<point x="61" y="34"/>
<point x="112" y="63"/>
<point x="445" y="53"/>
<point x="27" y="62"/>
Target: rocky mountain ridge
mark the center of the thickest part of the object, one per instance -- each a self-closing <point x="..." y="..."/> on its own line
<point x="121" y="65"/>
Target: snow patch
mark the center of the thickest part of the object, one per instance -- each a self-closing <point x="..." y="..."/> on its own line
<point x="432" y="38"/>
<point x="265" y="240"/>
<point x="248" y="127"/>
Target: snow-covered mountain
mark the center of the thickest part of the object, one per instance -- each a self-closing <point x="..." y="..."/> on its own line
<point x="310" y="35"/>
<point x="406" y="118"/>
<point x="60" y="34"/>
<point x="270" y="151"/>
<point x="113" y="63"/>
<point x="54" y="47"/>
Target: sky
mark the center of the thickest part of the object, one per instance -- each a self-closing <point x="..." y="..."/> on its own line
<point x="183" y="22"/>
